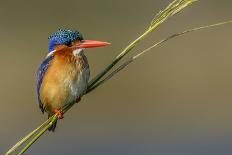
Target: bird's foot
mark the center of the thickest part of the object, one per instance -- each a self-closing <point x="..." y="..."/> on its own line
<point x="59" y="113"/>
<point x="78" y="99"/>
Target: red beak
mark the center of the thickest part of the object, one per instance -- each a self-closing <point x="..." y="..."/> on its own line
<point x="91" y="44"/>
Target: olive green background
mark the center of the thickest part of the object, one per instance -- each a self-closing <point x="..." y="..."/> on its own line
<point x="174" y="100"/>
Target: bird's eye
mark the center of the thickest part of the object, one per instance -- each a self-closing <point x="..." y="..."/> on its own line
<point x="69" y="43"/>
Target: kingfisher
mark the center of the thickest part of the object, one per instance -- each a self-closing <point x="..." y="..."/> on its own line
<point x="62" y="77"/>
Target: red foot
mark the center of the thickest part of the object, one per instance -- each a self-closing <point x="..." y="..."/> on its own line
<point x="78" y="99"/>
<point x="59" y="113"/>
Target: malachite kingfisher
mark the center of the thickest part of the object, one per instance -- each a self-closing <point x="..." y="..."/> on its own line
<point x="63" y="76"/>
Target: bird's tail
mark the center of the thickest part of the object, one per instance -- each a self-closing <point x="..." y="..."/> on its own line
<point x="53" y="127"/>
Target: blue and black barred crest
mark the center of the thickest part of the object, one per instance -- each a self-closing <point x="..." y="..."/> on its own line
<point x="63" y="36"/>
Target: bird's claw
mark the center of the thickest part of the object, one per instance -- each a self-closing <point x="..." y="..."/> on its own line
<point x="78" y="99"/>
<point x="59" y="113"/>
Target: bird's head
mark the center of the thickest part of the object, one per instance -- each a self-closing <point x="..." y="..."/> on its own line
<point x="73" y="39"/>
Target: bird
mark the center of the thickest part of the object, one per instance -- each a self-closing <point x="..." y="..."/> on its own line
<point x="63" y="75"/>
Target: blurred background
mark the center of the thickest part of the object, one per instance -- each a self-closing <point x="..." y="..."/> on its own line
<point x="174" y="100"/>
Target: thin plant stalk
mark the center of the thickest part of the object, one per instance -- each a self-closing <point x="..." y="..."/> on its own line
<point x="179" y="34"/>
<point x="27" y="137"/>
<point x="54" y="119"/>
<point x="173" y="8"/>
<point x="133" y="58"/>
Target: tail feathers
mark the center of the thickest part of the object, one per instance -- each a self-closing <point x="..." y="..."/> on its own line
<point x="53" y="127"/>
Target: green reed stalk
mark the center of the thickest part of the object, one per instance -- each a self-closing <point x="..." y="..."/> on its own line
<point x="133" y="58"/>
<point x="27" y="137"/>
<point x="172" y="9"/>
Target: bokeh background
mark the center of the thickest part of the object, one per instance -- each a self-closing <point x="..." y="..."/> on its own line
<point x="174" y="100"/>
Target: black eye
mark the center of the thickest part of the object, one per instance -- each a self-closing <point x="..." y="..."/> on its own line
<point x="69" y="43"/>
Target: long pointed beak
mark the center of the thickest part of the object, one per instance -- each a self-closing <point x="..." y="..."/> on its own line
<point x="92" y="44"/>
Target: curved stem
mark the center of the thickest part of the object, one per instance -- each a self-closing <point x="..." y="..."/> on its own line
<point x="131" y="59"/>
<point x="21" y="142"/>
<point x="179" y="34"/>
<point x="173" y="8"/>
<point x="54" y="119"/>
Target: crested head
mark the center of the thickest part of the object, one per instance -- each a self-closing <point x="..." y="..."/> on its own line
<point x="63" y="37"/>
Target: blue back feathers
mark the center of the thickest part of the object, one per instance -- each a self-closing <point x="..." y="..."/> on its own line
<point x="40" y="75"/>
<point x="63" y="37"/>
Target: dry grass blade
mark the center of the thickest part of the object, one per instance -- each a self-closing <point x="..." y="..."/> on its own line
<point x="172" y="9"/>
<point x="27" y="137"/>
<point x="131" y="59"/>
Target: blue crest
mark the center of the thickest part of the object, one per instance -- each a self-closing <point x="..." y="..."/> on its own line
<point x="63" y="37"/>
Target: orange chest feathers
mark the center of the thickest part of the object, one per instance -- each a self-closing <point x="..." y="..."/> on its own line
<point x="65" y="80"/>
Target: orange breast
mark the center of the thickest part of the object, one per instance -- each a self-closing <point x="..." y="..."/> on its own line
<point x="55" y="88"/>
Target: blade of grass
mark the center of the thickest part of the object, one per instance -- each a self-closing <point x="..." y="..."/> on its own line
<point x="172" y="9"/>
<point x="27" y="137"/>
<point x="131" y="59"/>
<point x="54" y="119"/>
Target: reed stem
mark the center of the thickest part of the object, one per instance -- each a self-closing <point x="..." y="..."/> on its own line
<point x="133" y="58"/>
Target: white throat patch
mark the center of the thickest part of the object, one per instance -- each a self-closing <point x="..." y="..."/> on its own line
<point x="78" y="52"/>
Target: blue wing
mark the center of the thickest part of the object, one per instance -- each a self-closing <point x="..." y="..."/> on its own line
<point x="40" y="75"/>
